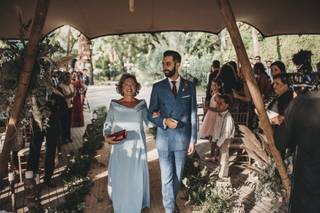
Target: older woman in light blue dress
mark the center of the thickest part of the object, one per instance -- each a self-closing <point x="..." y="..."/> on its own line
<point x="128" y="176"/>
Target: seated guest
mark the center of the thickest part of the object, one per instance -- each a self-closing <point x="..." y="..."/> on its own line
<point x="224" y="130"/>
<point x="277" y="108"/>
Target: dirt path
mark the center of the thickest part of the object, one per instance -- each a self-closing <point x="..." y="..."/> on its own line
<point x="98" y="200"/>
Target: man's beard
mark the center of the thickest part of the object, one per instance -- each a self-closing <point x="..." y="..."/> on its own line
<point x="170" y="73"/>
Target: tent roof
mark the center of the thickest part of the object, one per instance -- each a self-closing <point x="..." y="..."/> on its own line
<point x="96" y="18"/>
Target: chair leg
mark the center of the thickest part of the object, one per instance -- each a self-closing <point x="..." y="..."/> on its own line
<point x="20" y="170"/>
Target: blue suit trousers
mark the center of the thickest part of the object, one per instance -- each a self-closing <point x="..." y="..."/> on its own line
<point x="171" y="164"/>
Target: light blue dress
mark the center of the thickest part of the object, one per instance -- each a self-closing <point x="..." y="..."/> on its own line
<point x="128" y="175"/>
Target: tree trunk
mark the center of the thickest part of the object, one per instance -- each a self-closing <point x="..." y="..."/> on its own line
<point x="230" y="22"/>
<point x="68" y="46"/>
<point x="85" y="56"/>
<point x="223" y="42"/>
<point x="24" y="80"/>
<point x="255" y="42"/>
<point x="278" y="48"/>
<point x="91" y="68"/>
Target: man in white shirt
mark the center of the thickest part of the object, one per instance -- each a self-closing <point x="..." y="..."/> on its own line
<point x="224" y="130"/>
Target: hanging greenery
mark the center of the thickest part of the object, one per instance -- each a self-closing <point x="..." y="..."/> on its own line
<point x="11" y="61"/>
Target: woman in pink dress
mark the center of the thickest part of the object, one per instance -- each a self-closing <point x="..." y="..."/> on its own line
<point x="209" y="120"/>
<point x="207" y="126"/>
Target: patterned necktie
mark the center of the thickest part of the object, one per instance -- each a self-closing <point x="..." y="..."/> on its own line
<point x="174" y="88"/>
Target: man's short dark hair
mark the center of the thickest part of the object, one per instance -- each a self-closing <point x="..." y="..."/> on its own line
<point x="216" y="64"/>
<point x="176" y="56"/>
<point x="227" y="99"/>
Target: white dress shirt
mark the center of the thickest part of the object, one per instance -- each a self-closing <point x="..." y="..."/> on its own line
<point x="224" y="128"/>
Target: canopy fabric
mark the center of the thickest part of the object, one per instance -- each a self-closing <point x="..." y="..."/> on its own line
<point x="96" y="18"/>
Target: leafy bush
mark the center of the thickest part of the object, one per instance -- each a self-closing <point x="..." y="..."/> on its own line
<point x="75" y="176"/>
<point x="269" y="184"/>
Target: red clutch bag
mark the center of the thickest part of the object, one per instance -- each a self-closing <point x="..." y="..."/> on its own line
<point x="118" y="136"/>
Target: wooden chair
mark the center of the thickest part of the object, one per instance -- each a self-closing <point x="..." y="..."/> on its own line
<point x="24" y="152"/>
<point x="200" y="110"/>
<point x="240" y="118"/>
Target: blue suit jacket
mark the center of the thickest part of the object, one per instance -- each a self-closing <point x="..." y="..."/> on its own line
<point x="182" y="108"/>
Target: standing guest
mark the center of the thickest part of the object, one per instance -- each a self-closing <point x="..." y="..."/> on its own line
<point x="224" y="130"/>
<point x="128" y="179"/>
<point x="262" y="79"/>
<point x="55" y="105"/>
<point x="268" y="70"/>
<point x="277" y="67"/>
<point x="86" y="79"/>
<point x="68" y="92"/>
<point x="208" y="122"/>
<point x="257" y="59"/>
<point x="302" y="134"/>
<point x="77" y="119"/>
<point x="210" y="118"/>
<point x="214" y="72"/>
<point x="228" y="78"/>
<point x="175" y="99"/>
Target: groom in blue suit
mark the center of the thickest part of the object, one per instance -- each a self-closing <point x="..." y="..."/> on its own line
<point x="173" y="110"/>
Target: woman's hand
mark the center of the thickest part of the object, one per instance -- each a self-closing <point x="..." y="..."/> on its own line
<point x="110" y="140"/>
<point x="155" y="114"/>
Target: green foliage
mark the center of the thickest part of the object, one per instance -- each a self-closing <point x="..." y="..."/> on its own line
<point x="11" y="55"/>
<point x="196" y="180"/>
<point x="144" y="51"/>
<point x="269" y="184"/>
<point x="202" y="189"/>
<point x="220" y="200"/>
<point x="59" y="37"/>
<point x="75" y="176"/>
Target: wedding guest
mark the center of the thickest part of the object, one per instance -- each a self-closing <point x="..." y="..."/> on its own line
<point x="279" y="105"/>
<point x="51" y="130"/>
<point x="214" y="72"/>
<point x="128" y="179"/>
<point x="224" y="130"/>
<point x="302" y="135"/>
<point x="208" y="123"/>
<point x="68" y="92"/>
<point x="77" y="119"/>
<point x="277" y="67"/>
<point x="262" y="79"/>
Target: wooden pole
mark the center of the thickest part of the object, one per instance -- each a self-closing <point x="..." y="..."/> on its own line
<point x="232" y="27"/>
<point x="24" y="79"/>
